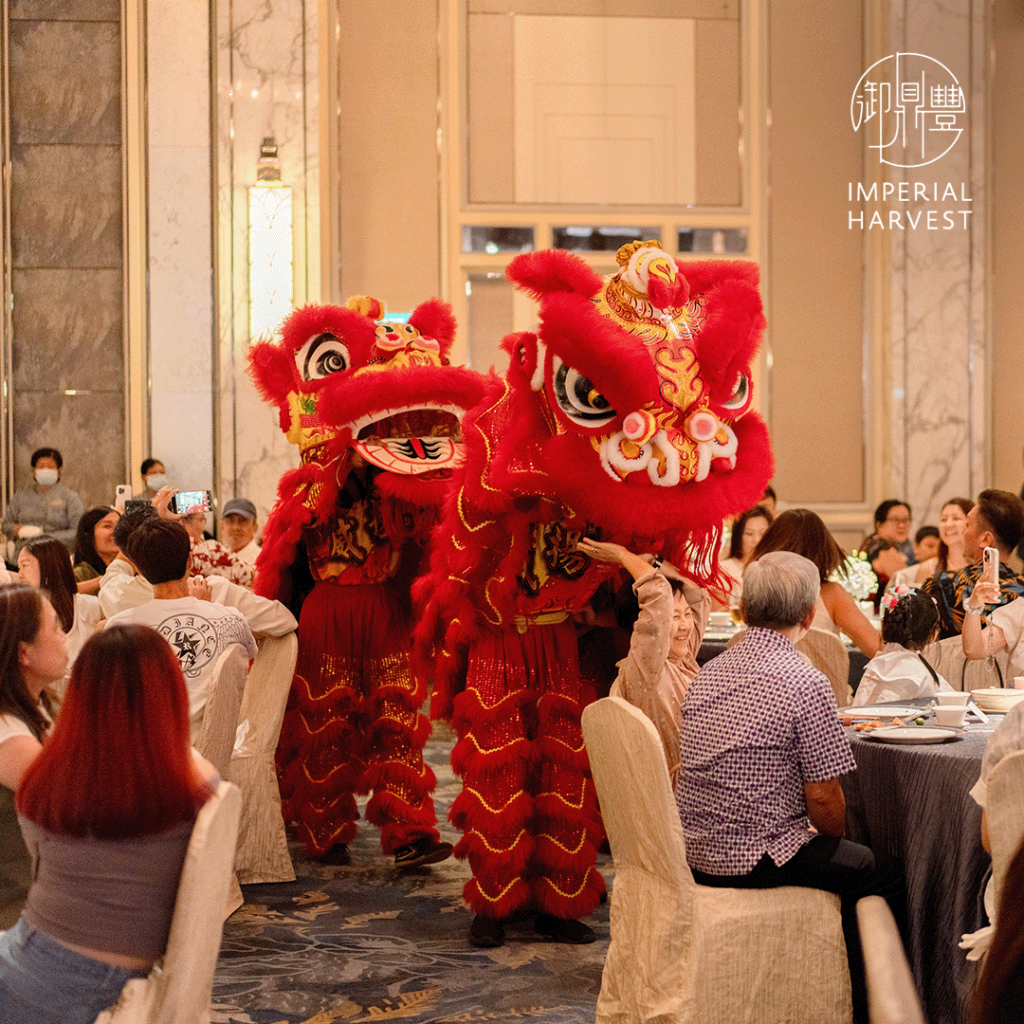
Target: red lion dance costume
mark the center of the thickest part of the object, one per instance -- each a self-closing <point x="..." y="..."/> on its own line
<point x="625" y="419"/>
<point x="374" y="409"/>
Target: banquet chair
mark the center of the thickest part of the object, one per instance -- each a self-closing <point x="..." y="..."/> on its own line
<point x="262" y="854"/>
<point x="1004" y="808"/>
<point x="220" y="716"/>
<point x="948" y="659"/>
<point x="892" y="997"/>
<point x="179" y="987"/>
<point x="681" y="953"/>
<point x="828" y="654"/>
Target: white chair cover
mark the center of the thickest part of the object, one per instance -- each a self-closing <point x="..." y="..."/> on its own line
<point x="178" y="989"/>
<point x="687" y="954"/>
<point x="1004" y="808"/>
<point x="262" y="844"/>
<point x="828" y="654"/>
<point x="892" y="997"/>
<point x="220" y="716"/>
<point x="948" y="659"/>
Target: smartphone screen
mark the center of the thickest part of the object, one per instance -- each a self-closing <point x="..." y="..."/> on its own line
<point x="190" y="501"/>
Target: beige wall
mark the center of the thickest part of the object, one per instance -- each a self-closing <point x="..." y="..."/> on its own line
<point x="815" y="276"/>
<point x="388" y="165"/>
<point x="1007" y="162"/>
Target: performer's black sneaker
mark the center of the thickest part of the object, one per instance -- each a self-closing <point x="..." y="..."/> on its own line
<point x="563" y="929"/>
<point x="422" y="851"/>
<point x="486" y="932"/>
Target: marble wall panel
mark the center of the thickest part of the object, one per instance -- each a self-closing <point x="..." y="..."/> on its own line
<point x="88" y="430"/>
<point x="66" y="206"/>
<point x="67" y="88"/>
<point x="266" y="84"/>
<point x="63" y="10"/>
<point x="68" y="326"/>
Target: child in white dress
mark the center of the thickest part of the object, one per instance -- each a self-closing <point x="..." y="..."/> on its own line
<point x="899" y="671"/>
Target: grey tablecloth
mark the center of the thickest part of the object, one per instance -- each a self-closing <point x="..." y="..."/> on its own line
<point x="912" y="802"/>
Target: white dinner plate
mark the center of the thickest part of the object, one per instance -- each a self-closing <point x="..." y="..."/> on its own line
<point x="911" y="734"/>
<point x="882" y="711"/>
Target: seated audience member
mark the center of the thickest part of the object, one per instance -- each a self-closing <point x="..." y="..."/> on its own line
<point x="899" y="671"/>
<point x="94" y="547"/>
<point x="107" y="809"/>
<point x="950" y="554"/>
<point x="154" y="478"/>
<point x="121" y="587"/>
<point x="803" y="532"/>
<point x="761" y="753"/>
<point x="770" y="500"/>
<point x="238" y="527"/>
<point x="124" y="588"/>
<point x="210" y="557"/>
<point x="1004" y="632"/>
<point x="996" y="521"/>
<point x="33" y="655"/>
<point x="889" y="548"/>
<point x="747" y="531"/>
<point x="667" y="618"/>
<point x="44" y="563"/>
<point x="46" y="507"/>
<point x="926" y="543"/>
<point x="1007" y="738"/>
<point x="198" y="631"/>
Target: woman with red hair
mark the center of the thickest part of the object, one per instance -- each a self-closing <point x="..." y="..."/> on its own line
<point x="107" y="810"/>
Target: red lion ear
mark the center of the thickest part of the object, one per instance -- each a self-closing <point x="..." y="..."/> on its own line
<point x="435" y="319"/>
<point x="553" y="270"/>
<point x="734" y="321"/>
<point x="272" y="370"/>
<point x="667" y="294"/>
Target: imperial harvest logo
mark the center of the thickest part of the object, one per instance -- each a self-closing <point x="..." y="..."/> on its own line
<point x="912" y="111"/>
<point x="909" y="105"/>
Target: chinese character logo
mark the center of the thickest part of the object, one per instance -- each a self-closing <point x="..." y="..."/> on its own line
<point x="908" y="104"/>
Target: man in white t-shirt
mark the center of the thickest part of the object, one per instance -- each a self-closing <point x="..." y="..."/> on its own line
<point x="198" y="631"/>
<point x="123" y="588"/>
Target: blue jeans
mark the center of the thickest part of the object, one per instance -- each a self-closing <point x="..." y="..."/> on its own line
<point x="43" y="982"/>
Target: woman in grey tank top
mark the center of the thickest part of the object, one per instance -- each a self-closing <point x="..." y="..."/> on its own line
<point x="107" y="809"/>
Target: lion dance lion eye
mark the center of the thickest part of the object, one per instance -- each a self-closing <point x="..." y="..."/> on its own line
<point x="739" y="398"/>
<point x="321" y="356"/>
<point x="579" y="399"/>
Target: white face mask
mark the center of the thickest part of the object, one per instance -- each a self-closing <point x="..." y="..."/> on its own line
<point x="156" y="480"/>
<point x="46" y="477"/>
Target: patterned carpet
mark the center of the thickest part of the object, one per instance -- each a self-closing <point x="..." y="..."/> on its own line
<point x="362" y="943"/>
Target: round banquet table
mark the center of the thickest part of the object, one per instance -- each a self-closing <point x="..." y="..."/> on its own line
<point x="912" y="802"/>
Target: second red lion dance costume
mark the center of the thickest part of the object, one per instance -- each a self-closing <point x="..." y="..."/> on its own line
<point x="625" y="418"/>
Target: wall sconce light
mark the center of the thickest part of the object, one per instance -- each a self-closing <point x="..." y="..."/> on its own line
<point x="270" y="245"/>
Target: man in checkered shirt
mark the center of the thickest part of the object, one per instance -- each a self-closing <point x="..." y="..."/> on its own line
<point x="761" y="752"/>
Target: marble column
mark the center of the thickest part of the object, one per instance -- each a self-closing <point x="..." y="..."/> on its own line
<point x="180" y="259"/>
<point x="937" y="357"/>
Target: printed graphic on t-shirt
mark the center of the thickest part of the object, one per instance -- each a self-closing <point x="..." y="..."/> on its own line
<point x="197" y="640"/>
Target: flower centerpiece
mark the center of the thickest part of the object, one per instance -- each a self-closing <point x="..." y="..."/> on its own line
<point x="856" y="576"/>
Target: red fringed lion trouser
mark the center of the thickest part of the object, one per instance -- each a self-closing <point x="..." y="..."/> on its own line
<point x="353" y="723"/>
<point x="528" y="808"/>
